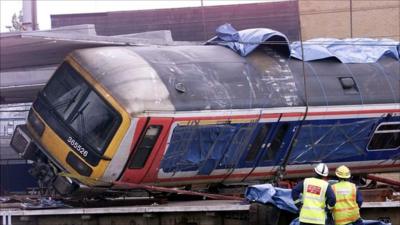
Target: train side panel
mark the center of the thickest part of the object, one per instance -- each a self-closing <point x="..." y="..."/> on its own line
<point x="201" y="150"/>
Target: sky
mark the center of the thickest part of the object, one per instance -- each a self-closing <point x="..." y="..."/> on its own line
<point x="45" y="8"/>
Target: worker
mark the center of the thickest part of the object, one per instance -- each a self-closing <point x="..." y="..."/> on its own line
<point x="316" y="194"/>
<point x="348" y="199"/>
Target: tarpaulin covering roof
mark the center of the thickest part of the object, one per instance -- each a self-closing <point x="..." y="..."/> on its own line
<point x="351" y="50"/>
<point x="246" y="41"/>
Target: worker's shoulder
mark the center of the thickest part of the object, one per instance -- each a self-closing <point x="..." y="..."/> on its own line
<point x="344" y="182"/>
<point x="315" y="179"/>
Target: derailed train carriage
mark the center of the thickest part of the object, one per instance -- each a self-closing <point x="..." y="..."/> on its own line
<point x="179" y="115"/>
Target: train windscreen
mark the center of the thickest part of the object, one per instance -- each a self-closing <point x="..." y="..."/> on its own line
<point x="76" y="104"/>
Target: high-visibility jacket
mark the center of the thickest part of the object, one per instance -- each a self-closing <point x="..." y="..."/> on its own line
<point x="346" y="209"/>
<point x="314" y="197"/>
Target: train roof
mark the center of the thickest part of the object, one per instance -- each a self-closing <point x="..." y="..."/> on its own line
<point x="189" y="78"/>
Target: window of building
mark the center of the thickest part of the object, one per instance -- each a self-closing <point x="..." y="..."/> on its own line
<point x="385" y="137"/>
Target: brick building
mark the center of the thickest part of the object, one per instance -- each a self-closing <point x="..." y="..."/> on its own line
<point x="346" y="18"/>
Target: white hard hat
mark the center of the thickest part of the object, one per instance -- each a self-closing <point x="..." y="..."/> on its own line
<point x="322" y="169"/>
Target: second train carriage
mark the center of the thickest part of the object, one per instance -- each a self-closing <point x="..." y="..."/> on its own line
<point x="176" y="115"/>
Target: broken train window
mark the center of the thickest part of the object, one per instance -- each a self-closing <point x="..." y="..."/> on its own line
<point x="385" y="137"/>
<point x="332" y="140"/>
<point x="206" y="147"/>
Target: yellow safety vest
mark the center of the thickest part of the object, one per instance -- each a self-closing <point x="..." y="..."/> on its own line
<point x="313" y="209"/>
<point x="346" y="209"/>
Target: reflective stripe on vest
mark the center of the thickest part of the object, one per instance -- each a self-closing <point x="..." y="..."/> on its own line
<point x="313" y="209"/>
<point x="346" y="209"/>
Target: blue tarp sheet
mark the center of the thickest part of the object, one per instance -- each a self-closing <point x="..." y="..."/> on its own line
<point x="332" y="142"/>
<point x="355" y="50"/>
<point x="352" y="50"/>
<point x="203" y="148"/>
<point x="246" y="41"/>
<point x="266" y="193"/>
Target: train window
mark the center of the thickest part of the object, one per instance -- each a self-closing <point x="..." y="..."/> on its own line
<point x="349" y="85"/>
<point x="386" y="137"/>
<point x="82" y="109"/>
<point x="64" y="90"/>
<point x="94" y="121"/>
<point x="276" y="142"/>
<point x="144" y="148"/>
<point x="257" y="143"/>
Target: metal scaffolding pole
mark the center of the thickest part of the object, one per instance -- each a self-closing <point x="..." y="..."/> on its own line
<point x="29" y="10"/>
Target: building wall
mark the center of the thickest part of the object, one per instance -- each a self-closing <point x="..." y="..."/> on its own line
<point x="319" y="18"/>
<point x="332" y="18"/>
<point x="191" y="23"/>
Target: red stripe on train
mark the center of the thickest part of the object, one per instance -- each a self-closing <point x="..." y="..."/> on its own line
<point x="291" y="114"/>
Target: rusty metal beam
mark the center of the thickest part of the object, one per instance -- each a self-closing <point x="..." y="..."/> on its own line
<point x="384" y="180"/>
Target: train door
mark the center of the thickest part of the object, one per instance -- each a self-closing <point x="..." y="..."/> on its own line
<point x="146" y="149"/>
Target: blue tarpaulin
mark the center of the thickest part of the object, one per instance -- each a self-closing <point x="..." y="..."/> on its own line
<point x="266" y="193"/>
<point x="204" y="148"/>
<point x="352" y="50"/>
<point x="246" y="41"/>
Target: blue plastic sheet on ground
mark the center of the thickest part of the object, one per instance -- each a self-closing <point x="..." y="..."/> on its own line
<point x="246" y="41"/>
<point x="266" y="193"/>
<point x="351" y="50"/>
<point x="365" y="222"/>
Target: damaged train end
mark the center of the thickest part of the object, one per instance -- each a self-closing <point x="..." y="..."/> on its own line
<point x="73" y="127"/>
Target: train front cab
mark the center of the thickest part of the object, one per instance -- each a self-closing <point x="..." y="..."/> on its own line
<point x="74" y="126"/>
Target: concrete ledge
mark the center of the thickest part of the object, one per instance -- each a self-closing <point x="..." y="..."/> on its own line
<point x="191" y="206"/>
<point x="393" y="204"/>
